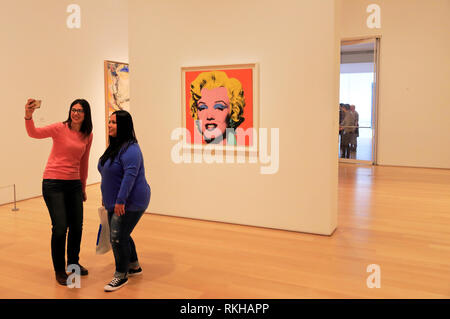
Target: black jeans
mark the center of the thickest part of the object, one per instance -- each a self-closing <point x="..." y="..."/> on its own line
<point x="122" y="244"/>
<point x="64" y="200"/>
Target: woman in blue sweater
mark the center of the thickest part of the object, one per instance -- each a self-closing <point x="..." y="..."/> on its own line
<point x="125" y="194"/>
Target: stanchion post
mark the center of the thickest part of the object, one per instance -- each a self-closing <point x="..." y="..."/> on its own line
<point x="15" y="209"/>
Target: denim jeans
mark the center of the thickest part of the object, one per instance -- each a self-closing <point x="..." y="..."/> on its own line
<point x="64" y="200"/>
<point x="122" y="244"/>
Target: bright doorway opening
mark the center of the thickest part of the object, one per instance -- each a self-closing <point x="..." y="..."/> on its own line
<point x="358" y="101"/>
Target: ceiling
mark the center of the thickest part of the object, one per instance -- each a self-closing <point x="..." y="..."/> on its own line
<point x="364" y="47"/>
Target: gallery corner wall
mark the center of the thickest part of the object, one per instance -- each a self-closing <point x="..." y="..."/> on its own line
<point x="43" y="58"/>
<point x="414" y="79"/>
<point x="294" y="45"/>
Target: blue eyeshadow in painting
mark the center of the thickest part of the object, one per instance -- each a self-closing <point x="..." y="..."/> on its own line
<point x="219" y="106"/>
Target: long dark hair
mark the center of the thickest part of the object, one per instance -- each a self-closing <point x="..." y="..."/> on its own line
<point x="86" y="126"/>
<point x="124" y="138"/>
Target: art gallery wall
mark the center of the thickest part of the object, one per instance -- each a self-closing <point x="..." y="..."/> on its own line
<point x="42" y="58"/>
<point x="414" y="79"/>
<point x="297" y="50"/>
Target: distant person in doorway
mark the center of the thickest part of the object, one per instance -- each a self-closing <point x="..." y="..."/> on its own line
<point x="354" y="139"/>
<point x="341" y="120"/>
<point x="64" y="180"/>
<point x="125" y="194"/>
<point x="347" y="128"/>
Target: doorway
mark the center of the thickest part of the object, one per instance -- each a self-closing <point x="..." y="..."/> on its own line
<point x="358" y="100"/>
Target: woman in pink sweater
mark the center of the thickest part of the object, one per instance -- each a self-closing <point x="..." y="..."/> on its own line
<point x="64" y="180"/>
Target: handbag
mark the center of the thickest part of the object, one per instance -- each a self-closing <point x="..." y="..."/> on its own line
<point x="103" y="244"/>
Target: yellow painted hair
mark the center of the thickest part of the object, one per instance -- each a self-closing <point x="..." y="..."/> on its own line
<point x="215" y="79"/>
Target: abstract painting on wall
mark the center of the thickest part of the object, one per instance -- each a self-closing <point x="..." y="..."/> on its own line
<point x="219" y="105"/>
<point x="117" y="88"/>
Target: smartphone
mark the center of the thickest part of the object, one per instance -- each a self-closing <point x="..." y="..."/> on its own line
<point x="35" y="104"/>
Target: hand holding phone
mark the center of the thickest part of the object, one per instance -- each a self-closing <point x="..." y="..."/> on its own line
<point x="35" y="104"/>
<point x="32" y="104"/>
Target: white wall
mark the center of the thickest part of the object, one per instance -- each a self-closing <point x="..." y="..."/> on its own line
<point x="414" y="79"/>
<point x="296" y="47"/>
<point x="44" y="59"/>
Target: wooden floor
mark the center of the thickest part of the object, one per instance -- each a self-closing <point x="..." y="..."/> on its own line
<point x="397" y="218"/>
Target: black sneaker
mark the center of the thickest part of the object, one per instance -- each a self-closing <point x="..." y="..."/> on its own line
<point x="115" y="284"/>
<point x="134" y="272"/>
<point x="84" y="271"/>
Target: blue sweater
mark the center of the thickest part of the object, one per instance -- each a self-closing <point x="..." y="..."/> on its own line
<point x="123" y="181"/>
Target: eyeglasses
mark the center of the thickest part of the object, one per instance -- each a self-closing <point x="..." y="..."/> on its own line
<point x="77" y="111"/>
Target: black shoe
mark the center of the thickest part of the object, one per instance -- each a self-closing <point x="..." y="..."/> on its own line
<point x="61" y="277"/>
<point x="83" y="271"/>
<point x="134" y="272"/>
<point x="115" y="284"/>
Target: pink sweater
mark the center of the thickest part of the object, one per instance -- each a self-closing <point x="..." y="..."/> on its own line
<point x="69" y="158"/>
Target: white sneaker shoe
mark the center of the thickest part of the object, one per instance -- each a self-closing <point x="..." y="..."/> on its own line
<point x="115" y="284"/>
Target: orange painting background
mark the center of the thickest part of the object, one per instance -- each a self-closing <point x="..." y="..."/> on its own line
<point x="246" y="79"/>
